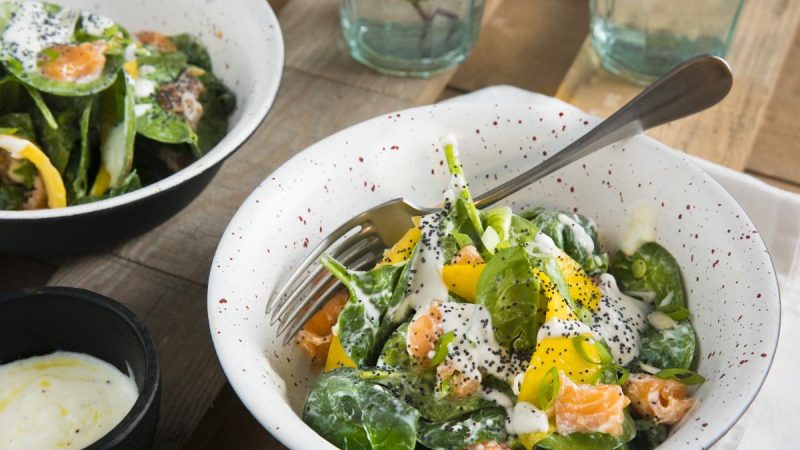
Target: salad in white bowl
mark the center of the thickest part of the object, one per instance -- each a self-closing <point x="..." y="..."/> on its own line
<point x="723" y="301"/>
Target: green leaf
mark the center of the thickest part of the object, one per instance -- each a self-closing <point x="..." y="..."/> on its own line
<point x="510" y="292"/>
<point x="574" y="241"/>
<point x="457" y="172"/>
<point x="371" y="296"/>
<point x="12" y="196"/>
<point x="549" y="389"/>
<point x="21" y="123"/>
<point x="117" y="130"/>
<point x="78" y="167"/>
<point x="649" y="435"/>
<point x="480" y="426"/>
<point x="59" y="142"/>
<point x="682" y="375"/>
<point x="394" y="355"/>
<point x="354" y="413"/>
<point x="458" y="230"/>
<point x="669" y="348"/>
<point x="441" y="350"/>
<point x="218" y="103"/>
<point x="657" y="277"/>
<point x="129" y="184"/>
<point x="196" y="53"/>
<point x="40" y="82"/>
<point x="421" y="390"/>
<point x="591" y="441"/>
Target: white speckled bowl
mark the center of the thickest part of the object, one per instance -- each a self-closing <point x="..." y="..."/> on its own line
<point x="246" y="47"/>
<point x="732" y="288"/>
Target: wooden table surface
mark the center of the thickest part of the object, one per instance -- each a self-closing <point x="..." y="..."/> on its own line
<point x="538" y="45"/>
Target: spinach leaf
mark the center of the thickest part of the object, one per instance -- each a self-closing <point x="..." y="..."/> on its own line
<point x="460" y="184"/>
<point x="12" y="196"/>
<point x="195" y="51"/>
<point x="573" y="233"/>
<point x="218" y="103"/>
<point x="510" y="291"/>
<point x="78" y="167"/>
<point x="480" y="426"/>
<point x="651" y="272"/>
<point x="115" y="41"/>
<point x="117" y="130"/>
<point x="591" y="441"/>
<point x="156" y="160"/>
<point x="671" y="348"/>
<point x="459" y="230"/>
<point x="21" y="122"/>
<point x="59" y="142"/>
<point x="420" y="390"/>
<point x="371" y="296"/>
<point x="129" y="184"/>
<point x="394" y="355"/>
<point x="353" y="413"/>
<point x="649" y="435"/>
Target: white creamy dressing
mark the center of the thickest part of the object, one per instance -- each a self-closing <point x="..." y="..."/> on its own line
<point x="474" y="346"/>
<point x="62" y="400"/>
<point x="526" y="418"/>
<point x="32" y="29"/>
<point x="425" y="275"/>
<point x="562" y="328"/>
<point x="141" y="109"/>
<point x="619" y="321"/>
<point x="582" y="238"/>
<point x="543" y="244"/>
<point x="641" y="229"/>
<point x="95" y="24"/>
<point x="144" y="87"/>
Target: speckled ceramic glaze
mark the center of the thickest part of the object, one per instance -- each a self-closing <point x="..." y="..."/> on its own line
<point x="732" y="288"/>
<point x="246" y="47"/>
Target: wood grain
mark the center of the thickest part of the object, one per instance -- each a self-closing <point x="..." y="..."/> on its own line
<point x="526" y="43"/>
<point x="724" y="134"/>
<point x="776" y="151"/>
<point x="174" y="311"/>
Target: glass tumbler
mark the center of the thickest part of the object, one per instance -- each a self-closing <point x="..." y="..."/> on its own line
<point x="410" y="37"/>
<point x="643" y="39"/>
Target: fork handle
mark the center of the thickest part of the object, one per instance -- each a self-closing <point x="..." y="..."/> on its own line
<point x="695" y="85"/>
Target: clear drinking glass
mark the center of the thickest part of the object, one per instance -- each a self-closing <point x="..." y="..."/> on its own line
<point x="644" y="39"/>
<point x="411" y="37"/>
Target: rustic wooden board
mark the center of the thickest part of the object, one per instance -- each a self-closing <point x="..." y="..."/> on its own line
<point x="776" y="152"/>
<point x="724" y="134"/>
<point x="526" y="43"/>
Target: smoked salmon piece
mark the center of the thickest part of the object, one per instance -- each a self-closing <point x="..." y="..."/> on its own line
<point x="664" y="400"/>
<point x="488" y="445"/>
<point x="423" y="332"/>
<point x="75" y="62"/>
<point x="158" y="40"/>
<point x="587" y="408"/>
<point x="467" y="255"/>
<point x="315" y="337"/>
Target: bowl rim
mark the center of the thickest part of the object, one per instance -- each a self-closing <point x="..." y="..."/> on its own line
<point x="226" y="147"/>
<point x="284" y="434"/>
<point x="151" y="386"/>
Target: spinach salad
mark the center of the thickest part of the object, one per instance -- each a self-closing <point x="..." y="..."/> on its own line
<point x="89" y="112"/>
<point x="489" y="329"/>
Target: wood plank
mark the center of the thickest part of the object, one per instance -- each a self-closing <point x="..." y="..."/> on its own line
<point x="318" y="48"/>
<point x="174" y="311"/>
<point x="229" y="425"/>
<point x="185" y="245"/>
<point x="726" y="133"/>
<point x="777" y="182"/>
<point x="526" y="43"/>
<point x="776" y="152"/>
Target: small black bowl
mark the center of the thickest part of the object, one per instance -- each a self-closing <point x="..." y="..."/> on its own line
<point x="40" y="321"/>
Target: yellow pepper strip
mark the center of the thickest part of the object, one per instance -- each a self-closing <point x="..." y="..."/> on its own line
<point x="402" y="249"/>
<point x="581" y="287"/>
<point x="462" y="279"/>
<point x="558" y="351"/>
<point x="131" y="68"/>
<point x="101" y="182"/>
<point x="337" y="356"/>
<point x="19" y="148"/>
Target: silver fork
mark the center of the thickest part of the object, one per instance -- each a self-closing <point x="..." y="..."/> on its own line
<point x="689" y="88"/>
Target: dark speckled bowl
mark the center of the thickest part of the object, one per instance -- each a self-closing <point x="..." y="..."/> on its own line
<point x="41" y="321"/>
<point x="246" y="47"/>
